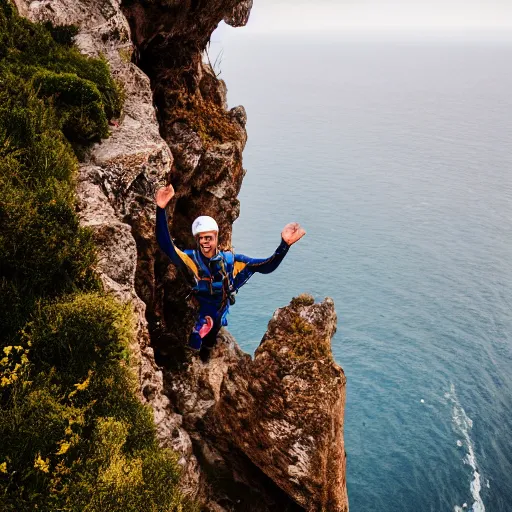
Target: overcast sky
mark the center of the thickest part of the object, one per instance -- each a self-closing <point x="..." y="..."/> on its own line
<point x="385" y="15"/>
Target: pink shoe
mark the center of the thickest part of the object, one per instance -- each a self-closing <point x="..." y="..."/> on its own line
<point x="207" y="327"/>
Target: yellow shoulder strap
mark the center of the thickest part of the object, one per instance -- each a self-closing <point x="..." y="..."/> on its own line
<point x="189" y="262"/>
<point x="238" y="267"/>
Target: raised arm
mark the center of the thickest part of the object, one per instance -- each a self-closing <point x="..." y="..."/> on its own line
<point x="178" y="257"/>
<point x="245" y="266"/>
<point x="164" y="238"/>
<point x="261" y="265"/>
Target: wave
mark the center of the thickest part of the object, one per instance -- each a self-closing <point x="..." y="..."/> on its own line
<point x="463" y="424"/>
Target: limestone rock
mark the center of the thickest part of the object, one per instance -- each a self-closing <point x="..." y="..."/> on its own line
<point x="158" y="23"/>
<point x="240" y="14"/>
<point x="239" y="114"/>
<point x="284" y="410"/>
<point x="273" y="425"/>
<point x="197" y="388"/>
<point x="206" y="141"/>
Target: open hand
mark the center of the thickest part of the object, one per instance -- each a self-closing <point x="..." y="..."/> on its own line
<point x="164" y="195"/>
<point x="292" y="233"/>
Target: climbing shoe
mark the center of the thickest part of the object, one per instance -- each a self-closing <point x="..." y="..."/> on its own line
<point x="207" y="327"/>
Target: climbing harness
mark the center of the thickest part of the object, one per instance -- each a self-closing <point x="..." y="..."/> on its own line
<point x="206" y="284"/>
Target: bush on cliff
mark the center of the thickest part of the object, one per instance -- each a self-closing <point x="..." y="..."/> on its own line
<point x="82" y="89"/>
<point x="78" y="102"/>
<point x="43" y="250"/>
<point x="73" y="433"/>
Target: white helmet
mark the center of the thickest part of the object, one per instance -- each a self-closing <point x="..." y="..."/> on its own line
<point x="203" y="224"/>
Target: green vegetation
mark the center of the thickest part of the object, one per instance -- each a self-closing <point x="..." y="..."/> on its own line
<point x="303" y="343"/>
<point x="42" y="57"/>
<point x="73" y="433"/>
<point x="298" y="336"/>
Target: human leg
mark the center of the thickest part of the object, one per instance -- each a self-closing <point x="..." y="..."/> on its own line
<point x="206" y="321"/>
<point x="202" y="328"/>
<point x="209" y="341"/>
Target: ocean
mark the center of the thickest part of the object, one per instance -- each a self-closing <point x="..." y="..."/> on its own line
<point x="396" y="157"/>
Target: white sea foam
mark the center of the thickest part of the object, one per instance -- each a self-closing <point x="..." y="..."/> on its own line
<point x="463" y="423"/>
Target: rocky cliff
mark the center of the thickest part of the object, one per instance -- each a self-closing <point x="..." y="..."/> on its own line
<point x="262" y="434"/>
<point x="281" y="412"/>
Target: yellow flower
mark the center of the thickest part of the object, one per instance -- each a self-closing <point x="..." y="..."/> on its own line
<point x="64" y="447"/>
<point x="18" y="348"/>
<point x="5" y="382"/>
<point x="3" y="467"/>
<point x="81" y="385"/>
<point x="7" y="350"/>
<point x="42" y="465"/>
<point x="4" y="361"/>
<point x="24" y="359"/>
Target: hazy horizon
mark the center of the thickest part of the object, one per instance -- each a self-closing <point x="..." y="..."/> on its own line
<point x="411" y="17"/>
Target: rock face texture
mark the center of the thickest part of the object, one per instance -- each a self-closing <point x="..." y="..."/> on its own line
<point x="205" y="139"/>
<point x="262" y="435"/>
<point x="282" y="412"/>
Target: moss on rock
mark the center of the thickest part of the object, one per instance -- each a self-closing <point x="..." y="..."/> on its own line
<point x="209" y="120"/>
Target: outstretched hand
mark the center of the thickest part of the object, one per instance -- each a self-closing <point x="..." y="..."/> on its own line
<point x="292" y="233"/>
<point x="164" y="195"/>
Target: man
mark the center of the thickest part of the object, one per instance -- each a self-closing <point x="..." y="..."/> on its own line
<point x="218" y="274"/>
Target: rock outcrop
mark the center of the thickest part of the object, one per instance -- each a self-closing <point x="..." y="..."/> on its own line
<point x="205" y="139"/>
<point x="285" y="409"/>
<point x="260" y="435"/>
<point x="282" y="412"/>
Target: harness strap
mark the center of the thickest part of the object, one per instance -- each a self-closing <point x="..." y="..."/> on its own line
<point x="226" y="264"/>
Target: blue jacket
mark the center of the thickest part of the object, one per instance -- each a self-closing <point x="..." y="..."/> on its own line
<point x="220" y="275"/>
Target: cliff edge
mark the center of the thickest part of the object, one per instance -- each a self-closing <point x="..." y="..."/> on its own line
<point x="262" y="434"/>
<point x="269" y="431"/>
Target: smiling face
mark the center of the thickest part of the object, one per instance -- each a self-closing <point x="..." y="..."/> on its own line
<point x="208" y="243"/>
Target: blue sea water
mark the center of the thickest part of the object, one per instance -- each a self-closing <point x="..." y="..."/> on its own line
<point x="396" y="156"/>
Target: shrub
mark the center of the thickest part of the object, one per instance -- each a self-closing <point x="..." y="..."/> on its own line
<point x="28" y="49"/>
<point x="43" y="251"/>
<point x="78" y="103"/>
<point x="33" y="148"/>
<point x="73" y="434"/>
<point x="84" y="340"/>
<point x="80" y="334"/>
<point x="115" y="481"/>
